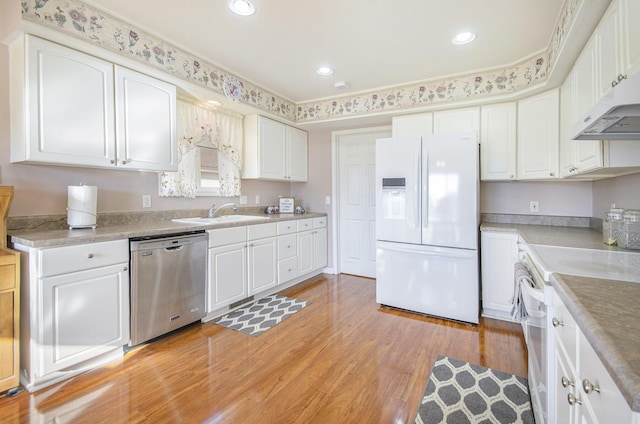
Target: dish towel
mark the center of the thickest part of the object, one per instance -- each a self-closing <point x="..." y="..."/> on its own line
<point x="521" y="276"/>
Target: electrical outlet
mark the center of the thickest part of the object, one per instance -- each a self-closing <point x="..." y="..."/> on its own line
<point x="327" y="200"/>
<point x="533" y="206"/>
<point x="243" y="200"/>
<point x="146" y="200"/>
<point x="257" y="199"/>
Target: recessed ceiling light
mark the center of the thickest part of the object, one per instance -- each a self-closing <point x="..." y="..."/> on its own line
<point x="242" y="7"/>
<point x="324" y="71"/>
<point x="463" y="38"/>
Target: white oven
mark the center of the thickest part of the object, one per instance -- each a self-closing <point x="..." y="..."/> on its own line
<point x="538" y="304"/>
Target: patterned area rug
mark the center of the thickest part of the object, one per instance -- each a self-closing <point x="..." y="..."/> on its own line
<point x="458" y="392"/>
<point x="259" y="316"/>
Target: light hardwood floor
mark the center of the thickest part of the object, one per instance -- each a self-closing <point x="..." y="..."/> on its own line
<point x="342" y="359"/>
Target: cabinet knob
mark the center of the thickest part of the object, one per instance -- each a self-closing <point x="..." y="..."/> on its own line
<point x="124" y="268"/>
<point x="589" y="387"/>
<point x="113" y="162"/>
<point x="289" y="247"/>
<point x="573" y="400"/>
<point x="552" y="173"/>
<point x="566" y="382"/>
<point x="510" y="175"/>
<point x="614" y="83"/>
<point x="557" y="323"/>
<point x="621" y="77"/>
<point x="90" y="255"/>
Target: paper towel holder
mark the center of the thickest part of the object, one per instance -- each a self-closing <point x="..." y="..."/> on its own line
<point x="82" y="206"/>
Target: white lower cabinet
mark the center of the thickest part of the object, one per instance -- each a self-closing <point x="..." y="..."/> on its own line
<point x="254" y="260"/>
<point x="76" y="300"/>
<point x="262" y="257"/>
<point x="584" y="391"/>
<point x="499" y="253"/>
<point x="312" y="246"/>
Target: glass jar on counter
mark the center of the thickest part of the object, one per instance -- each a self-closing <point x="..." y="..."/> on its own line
<point x="612" y="225"/>
<point x="629" y="237"/>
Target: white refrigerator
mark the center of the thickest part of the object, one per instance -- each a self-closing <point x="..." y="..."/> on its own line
<point x="427" y="225"/>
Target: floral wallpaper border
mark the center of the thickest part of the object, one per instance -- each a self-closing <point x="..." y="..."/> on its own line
<point x="91" y="24"/>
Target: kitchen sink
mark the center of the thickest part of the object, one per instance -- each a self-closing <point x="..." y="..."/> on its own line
<point x="219" y="219"/>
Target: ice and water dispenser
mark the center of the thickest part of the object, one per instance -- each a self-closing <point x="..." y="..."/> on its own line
<point x="394" y="194"/>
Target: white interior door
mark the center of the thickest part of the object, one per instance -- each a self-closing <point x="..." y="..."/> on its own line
<point x="356" y="199"/>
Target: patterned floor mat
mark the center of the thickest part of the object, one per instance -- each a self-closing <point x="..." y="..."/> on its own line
<point x="459" y="392"/>
<point x="261" y="315"/>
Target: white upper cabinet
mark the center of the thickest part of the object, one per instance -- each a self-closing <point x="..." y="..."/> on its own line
<point x="498" y="142"/>
<point x="80" y="111"/>
<point x="145" y="122"/>
<point x="538" y="136"/>
<point x="457" y="120"/>
<point x="415" y="125"/>
<point x="273" y="150"/>
<point x="630" y="15"/>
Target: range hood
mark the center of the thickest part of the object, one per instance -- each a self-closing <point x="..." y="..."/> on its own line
<point x="615" y="117"/>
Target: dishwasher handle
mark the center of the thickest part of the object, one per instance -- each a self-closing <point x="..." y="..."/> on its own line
<point x="173" y="248"/>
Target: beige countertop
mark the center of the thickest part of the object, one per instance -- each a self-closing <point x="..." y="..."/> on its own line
<point x="607" y="310"/>
<point x="53" y="238"/>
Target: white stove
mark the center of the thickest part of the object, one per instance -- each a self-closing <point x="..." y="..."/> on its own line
<point x="607" y="264"/>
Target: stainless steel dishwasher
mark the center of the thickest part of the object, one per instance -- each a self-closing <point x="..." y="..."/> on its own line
<point x="168" y="277"/>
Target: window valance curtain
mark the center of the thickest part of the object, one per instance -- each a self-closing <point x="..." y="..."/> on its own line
<point x="200" y="126"/>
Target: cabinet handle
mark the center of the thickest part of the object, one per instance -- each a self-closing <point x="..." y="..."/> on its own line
<point x="557" y="323"/>
<point x="90" y="255"/>
<point x="566" y="382"/>
<point x="573" y="400"/>
<point x="589" y="387"/>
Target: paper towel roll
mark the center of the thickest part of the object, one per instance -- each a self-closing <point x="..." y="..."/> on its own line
<point x="82" y="204"/>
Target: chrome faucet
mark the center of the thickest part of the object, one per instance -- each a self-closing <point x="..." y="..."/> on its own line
<point x="213" y="210"/>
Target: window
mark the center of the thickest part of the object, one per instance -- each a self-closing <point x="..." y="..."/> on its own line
<point x="208" y="183"/>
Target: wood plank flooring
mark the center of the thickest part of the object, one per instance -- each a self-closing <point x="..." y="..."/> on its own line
<point x="342" y="359"/>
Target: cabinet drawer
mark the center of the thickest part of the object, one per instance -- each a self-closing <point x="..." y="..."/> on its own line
<point x="567" y="331"/>
<point x="62" y="260"/>
<point x="305" y="224"/>
<point x="287" y="270"/>
<point x="320" y="222"/>
<point x="287" y="246"/>
<point x="287" y="227"/>
<point x="7" y="277"/>
<point x="224" y="236"/>
<point x="259" y="231"/>
<point x="608" y="404"/>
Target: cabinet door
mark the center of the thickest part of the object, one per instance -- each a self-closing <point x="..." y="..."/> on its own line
<point x="146" y="122"/>
<point x="296" y="154"/>
<point x="499" y="253"/>
<point x="585" y="82"/>
<point x="262" y="265"/>
<point x="71" y="106"/>
<point x="458" y="120"/>
<point x="538" y="136"/>
<point x="567" y="119"/>
<point x="8" y="342"/>
<point x="563" y="412"/>
<point x="319" y="248"/>
<point x="630" y="14"/>
<point x="412" y="125"/>
<point x="84" y="314"/>
<point x="227" y="275"/>
<point x="609" y="48"/>
<point x="498" y="142"/>
<point x="305" y="252"/>
<point x="272" y="150"/>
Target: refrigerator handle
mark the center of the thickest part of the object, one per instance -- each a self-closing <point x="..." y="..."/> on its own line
<point x="424" y="179"/>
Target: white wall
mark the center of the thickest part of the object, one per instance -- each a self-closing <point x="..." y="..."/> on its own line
<point x="623" y="191"/>
<point x="557" y="198"/>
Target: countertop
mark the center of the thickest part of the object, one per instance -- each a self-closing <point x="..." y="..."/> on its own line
<point x="56" y="238"/>
<point x="607" y="310"/>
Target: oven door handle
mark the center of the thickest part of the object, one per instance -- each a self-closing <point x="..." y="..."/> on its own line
<point x="527" y="290"/>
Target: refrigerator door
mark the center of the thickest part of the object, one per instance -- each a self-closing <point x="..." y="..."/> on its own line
<point x="431" y="280"/>
<point x="450" y="190"/>
<point x="397" y="189"/>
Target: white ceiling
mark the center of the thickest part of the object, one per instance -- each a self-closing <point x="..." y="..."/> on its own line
<point x="369" y="43"/>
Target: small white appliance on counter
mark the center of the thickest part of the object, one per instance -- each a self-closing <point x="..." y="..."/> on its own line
<point x="427" y="225"/>
<point x="82" y="206"/>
